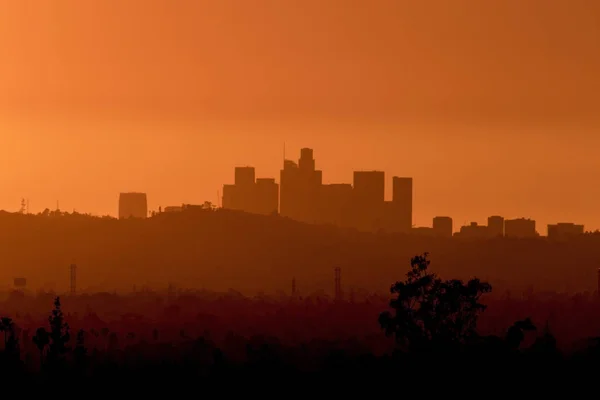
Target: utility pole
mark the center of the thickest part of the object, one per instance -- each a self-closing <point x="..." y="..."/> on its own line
<point x="73" y="270"/>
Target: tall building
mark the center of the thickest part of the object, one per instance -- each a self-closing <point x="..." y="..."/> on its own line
<point x="300" y="188"/>
<point x="266" y="196"/>
<point x="307" y="160"/>
<point x="402" y="197"/>
<point x="369" y="187"/>
<point x="245" y="188"/>
<point x="443" y="226"/>
<point x="133" y="205"/>
<point x="251" y="194"/>
<point x="230" y="198"/>
<point x="369" y="197"/>
<point x="245" y="176"/>
<point x="336" y="205"/>
<point x="496" y="226"/>
<point x="302" y="196"/>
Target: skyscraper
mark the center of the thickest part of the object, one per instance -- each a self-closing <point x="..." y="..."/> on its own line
<point x="267" y="196"/>
<point x="300" y="186"/>
<point x="402" y="197"/>
<point x="244" y="176"/>
<point x="368" y="200"/>
<point x="369" y="187"/>
<point x="251" y="194"/>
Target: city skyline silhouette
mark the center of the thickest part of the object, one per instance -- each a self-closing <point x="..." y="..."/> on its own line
<point x="346" y="207"/>
<point x="494" y="118"/>
<point x="318" y="193"/>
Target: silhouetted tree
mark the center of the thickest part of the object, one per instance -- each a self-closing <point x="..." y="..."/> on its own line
<point x="11" y="341"/>
<point x="545" y="344"/>
<point x="6" y="326"/>
<point x="41" y="340"/>
<point x="59" y="333"/>
<point x="516" y="333"/>
<point x="429" y="312"/>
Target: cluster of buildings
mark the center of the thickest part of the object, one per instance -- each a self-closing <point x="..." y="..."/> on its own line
<point x="301" y="195"/>
<point x="497" y="227"/>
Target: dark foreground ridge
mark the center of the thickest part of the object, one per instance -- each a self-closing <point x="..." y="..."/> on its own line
<point x="430" y="330"/>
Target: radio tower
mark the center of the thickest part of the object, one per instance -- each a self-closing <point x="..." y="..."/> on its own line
<point x="338" y="284"/>
<point x="73" y="269"/>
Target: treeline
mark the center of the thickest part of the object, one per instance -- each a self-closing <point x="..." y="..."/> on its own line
<point x="427" y="321"/>
<point x="218" y="250"/>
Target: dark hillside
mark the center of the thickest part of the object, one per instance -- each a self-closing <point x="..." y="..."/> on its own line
<point x="224" y="249"/>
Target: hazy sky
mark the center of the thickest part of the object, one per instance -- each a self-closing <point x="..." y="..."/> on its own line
<point x="492" y="106"/>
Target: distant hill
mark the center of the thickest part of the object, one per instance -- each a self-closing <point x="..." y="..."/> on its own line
<point x="225" y="249"/>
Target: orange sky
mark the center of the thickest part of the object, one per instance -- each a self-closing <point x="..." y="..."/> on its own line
<point x="493" y="106"/>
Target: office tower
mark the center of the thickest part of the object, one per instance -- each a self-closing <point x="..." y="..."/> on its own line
<point x="245" y="193"/>
<point x="306" y="161"/>
<point x="369" y="187"/>
<point x="288" y="181"/>
<point x="133" y="205"/>
<point x="336" y="205"/>
<point x="267" y="196"/>
<point x="244" y="176"/>
<point x="496" y="226"/>
<point x="443" y="226"/>
<point x="251" y="194"/>
<point x="230" y="198"/>
<point x="300" y="186"/>
<point x="369" y="193"/>
<point x="402" y="197"/>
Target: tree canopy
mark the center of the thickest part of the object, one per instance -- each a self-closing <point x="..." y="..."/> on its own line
<point x="431" y="313"/>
